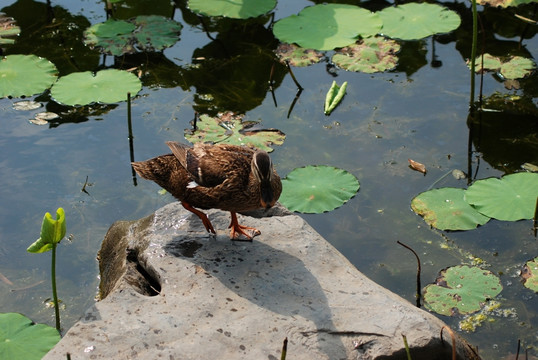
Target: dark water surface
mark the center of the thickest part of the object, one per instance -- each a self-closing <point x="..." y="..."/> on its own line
<point x="417" y="111"/>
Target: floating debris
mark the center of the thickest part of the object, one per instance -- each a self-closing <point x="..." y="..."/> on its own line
<point x="27" y="105"/>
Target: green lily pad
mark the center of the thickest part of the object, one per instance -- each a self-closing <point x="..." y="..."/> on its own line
<point x="446" y="209"/>
<point x="510" y="198"/>
<point x="490" y="63"/>
<point x="106" y="86"/>
<point x="415" y="21"/>
<point x="530" y="275"/>
<point x="461" y="290"/>
<point x="156" y="33"/>
<point x="515" y="67"/>
<point x="297" y="56"/>
<point x="144" y="33"/>
<point x="334" y="96"/>
<point x="21" y="339"/>
<point x="373" y="54"/>
<point x="237" y="9"/>
<point x="327" y="26"/>
<point x="111" y="37"/>
<point x="228" y="128"/>
<point x="8" y="29"/>
<point x="317" y="189"/>
<point x="25" y="75"/>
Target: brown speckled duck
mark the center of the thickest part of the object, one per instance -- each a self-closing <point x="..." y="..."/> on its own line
<point x="227" y="177"/>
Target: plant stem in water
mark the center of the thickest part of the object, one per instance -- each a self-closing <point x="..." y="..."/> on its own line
<point x="54" y="294"/>
<point x="473" y="54"/>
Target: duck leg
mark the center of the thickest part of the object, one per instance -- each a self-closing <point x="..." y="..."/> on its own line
<point x="202" y="217"/>
<point x="237" y="229"/>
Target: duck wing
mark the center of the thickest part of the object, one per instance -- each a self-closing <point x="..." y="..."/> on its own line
<point x="213" y="165"/>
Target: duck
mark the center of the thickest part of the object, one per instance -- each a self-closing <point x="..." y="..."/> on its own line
<point x="205" y="176"/>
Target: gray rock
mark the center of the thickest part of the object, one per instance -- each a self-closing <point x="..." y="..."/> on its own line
<point x="171" y="291"/>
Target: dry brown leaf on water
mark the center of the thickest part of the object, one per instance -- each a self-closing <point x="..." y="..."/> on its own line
<point x="415" y="165"/>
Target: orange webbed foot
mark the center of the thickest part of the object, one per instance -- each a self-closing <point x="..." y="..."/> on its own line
<point x="238" y="230"/>
<point x="207" y="224"/>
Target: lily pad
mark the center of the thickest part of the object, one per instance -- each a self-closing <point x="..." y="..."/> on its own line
<point x="530" y="275"/>
<point x="317" y="189"/>
<point x="8" y="29"/>
<point x="25" y="105"/>
<point x="43" y="118"/>
<point x="105" y="86"/>
<point x="297" y="56"/>
<point x="446" y="209"/>
<point x="373" y="54"/>
<point x="237" y="9"/>
<point x="144" y="33"/>
<point x="510" y="198"/>
<point x="110" y="37"/>
<point x="415" y="21"/>
<point x="25" y="75"/>
<point x="461" y="290"/>
<point x="21" y="339"/>
<point x="155" y="33"/>
<point x="327" y="26"/>
<point x="515" y="67"/>
<point x="228" y="128"/>
<point x="37" y="121"/>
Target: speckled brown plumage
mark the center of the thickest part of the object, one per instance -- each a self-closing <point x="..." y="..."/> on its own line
<point x="227" y="177"/>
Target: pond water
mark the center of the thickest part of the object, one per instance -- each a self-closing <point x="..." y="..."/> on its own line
<point x="418" y="111"/>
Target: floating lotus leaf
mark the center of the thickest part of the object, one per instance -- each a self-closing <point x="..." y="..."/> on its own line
<point x="146" y="33"/>
<point x="106" y="86"/>
<point x="43" y="118"/>
<point x="317" y="189"/>
<point x="8" y="29"/>
<point x="446" y="209"/>
<point x="38" y="121"/>
<point x="490" y="63"/>
<point x="156" y="32"/>
<point x="461" y="290"/>
<point x="415" y="21"/>
<point x="510" y="198"/>
<point x="297" y="56"/>
<point x="25" y="75"/>
<point x="47" y="115"/>
<point x="237" y="9"/>
<point x="25" y="105"/>
<point x="334" y="96"/>
<point x="111" y="37"/>
<point x="229" y="128"/>
<point x="21" y="339"/>
<point x="515" y="67"/>
<point x="530" y="275"/>
<point x="327" y="26"/>
<point x="373" y="54"/>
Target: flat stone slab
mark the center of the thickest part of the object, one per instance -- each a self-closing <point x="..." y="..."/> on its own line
<point x="171" y="291"/>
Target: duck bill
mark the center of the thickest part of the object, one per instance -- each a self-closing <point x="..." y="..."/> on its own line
<point x="267" y="199"/>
